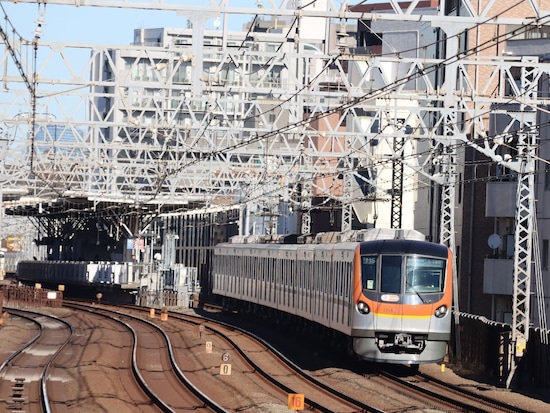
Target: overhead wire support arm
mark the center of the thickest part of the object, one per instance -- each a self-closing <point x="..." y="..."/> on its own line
<point x="30" y="84"/>
<point x="16" y="61"/>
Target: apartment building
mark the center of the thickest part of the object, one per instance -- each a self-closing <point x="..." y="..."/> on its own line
<point x="189" y="98"/>
<point x="486" y="190"/>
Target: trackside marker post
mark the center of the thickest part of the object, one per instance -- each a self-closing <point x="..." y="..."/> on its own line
<point x="225" y="369"/>
<point x="296" y="401"/>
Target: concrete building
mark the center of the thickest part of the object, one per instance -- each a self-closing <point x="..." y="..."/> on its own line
<point x="487" y="191"/>
<point x="159" y="82"/>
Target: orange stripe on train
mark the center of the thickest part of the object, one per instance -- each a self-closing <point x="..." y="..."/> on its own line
<point x="417" y="317"/>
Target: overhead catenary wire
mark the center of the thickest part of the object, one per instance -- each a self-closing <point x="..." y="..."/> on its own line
<point x="260" y="136"/>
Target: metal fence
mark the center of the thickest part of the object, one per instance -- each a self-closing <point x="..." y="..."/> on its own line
<point x="167" y="299"/>
<point x="30" y="297"/>
<point x="483" y="346"/>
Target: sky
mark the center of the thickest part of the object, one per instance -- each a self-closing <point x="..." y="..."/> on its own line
<point x="103" y="26"/>
<point x="97" y="25"/>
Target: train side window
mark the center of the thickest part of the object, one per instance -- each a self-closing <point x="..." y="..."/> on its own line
<point x="348" y="268"/>
<point x="338" y="278"/>
<point x="326" y="275"/>
<point x="273" y="267"/>
<point x="317" y="276"/>
<point x="368" y="272"/>
<point x="391" y="274"/>
<point x="343" y="274"/>
<point x="343" y="277"/>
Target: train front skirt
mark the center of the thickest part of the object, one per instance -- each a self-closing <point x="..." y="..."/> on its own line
<point x="400" y="348"/>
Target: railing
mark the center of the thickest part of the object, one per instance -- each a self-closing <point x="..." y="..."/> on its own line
<point x="29" y="297"/>
<point x="485" y="349"/>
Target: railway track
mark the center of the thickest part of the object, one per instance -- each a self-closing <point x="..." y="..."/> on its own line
<point x="454" y="396"/>
<point x="154" y="366"/>
<point x="253" y="361"/>
<point x="322" y="395"/>
<point x="198" y="348"/>
<point x="431" y="394"/>
<point x="92" y="367"/>
<point x="24" y="375"/>
<point x="425" y="392"/>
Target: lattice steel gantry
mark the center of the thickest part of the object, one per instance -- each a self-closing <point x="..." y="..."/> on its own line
<point x="219" y="118"/>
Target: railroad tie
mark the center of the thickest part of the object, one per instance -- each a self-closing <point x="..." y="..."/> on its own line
<point x="17" y="398"/>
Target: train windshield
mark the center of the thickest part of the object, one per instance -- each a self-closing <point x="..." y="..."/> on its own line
<point x="423" y="274"/>
<point x="390" y="269"/>
<point x="368" y="272"/>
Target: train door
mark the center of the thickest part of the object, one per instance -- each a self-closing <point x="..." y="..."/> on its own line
<point x="245" y="273"/>
<point x="316" y="278"/>
<point x="342" y="284"/>
<point x="336" y="289"/>
<point x="306" y="256"/>
<point x="347" y="294"/>
<point x="231" y="277"/>
<point x="257" y="274"/>
<point x="280" y="282"/>
<point x="236" y="276"/>
<point x="298" y="291"/>
<point x="326" y="306"/>
<point x="274" y="268"/>
<point x="390" y="308"/>
<point x="315" y="287"/>
<point x="225" y="273"/>
<point x="292" y="303"/>
<point x="263" y="278"/>
<point x="302" y="282"/>
<point x="281" y="279"/>
<point x="241" y="274"/>
<point x="333" y="291"/>
<point x="287" y="287"/>
<point x="322" y="275"/>
<point x="216" y="270"/>
<point x="268" y="279"/>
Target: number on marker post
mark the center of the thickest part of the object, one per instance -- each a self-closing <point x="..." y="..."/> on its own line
<point x="296" y="401"/>
<point x="225" y="369"/>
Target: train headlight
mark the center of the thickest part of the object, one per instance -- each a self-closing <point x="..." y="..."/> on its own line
<point x="363" y="307"/>
<point x="441" y="311"/>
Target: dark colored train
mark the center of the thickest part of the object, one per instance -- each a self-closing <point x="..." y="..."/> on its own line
<point x="389" y="292"/>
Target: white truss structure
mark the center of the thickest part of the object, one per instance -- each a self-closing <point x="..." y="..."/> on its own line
<point x="169" y="126"/>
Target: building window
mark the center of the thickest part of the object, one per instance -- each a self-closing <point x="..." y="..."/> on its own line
<point x="547" y="178"/>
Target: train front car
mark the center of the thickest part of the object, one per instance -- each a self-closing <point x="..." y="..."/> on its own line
<point x="403" y="297"/>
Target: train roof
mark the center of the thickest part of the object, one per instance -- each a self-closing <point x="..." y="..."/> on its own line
<point x="362" y="235"/>
<point x="404" y="246"/>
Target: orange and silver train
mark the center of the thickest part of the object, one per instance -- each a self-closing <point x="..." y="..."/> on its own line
<point x="389" y="292"/>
